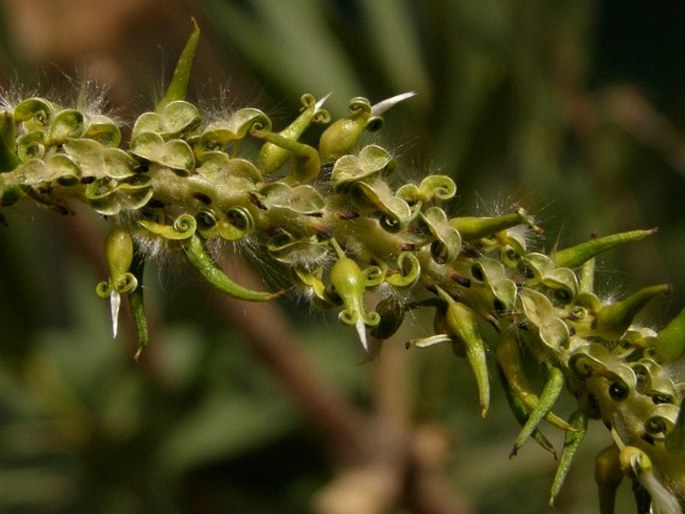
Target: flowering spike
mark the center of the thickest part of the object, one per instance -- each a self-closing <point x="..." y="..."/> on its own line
<point x="182" y="181"/>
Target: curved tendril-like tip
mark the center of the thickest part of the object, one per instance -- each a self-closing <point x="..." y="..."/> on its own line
<point x="636" y="465"/>
<point x="572" y="440"/>
<point x="384" y="105"/>
<point x="183" y="227"/>
<point x="408" y="272"/>
<point x="439" y="187"/>
<point x="199" y="257"/>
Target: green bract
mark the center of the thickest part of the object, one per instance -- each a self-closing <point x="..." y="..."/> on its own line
<point x="332" y="219"/>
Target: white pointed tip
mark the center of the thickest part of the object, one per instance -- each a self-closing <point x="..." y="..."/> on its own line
<point x="320" y="103"/>
<point x="361" y="331"/>
<point x="663" y="501"/>
<point x="114" y="304"/>
<point x="384" y="105"/>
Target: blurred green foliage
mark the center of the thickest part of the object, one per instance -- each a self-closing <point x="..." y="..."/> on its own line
<point x="514" y="101"/>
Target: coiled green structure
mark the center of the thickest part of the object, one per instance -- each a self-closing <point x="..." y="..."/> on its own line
<point x="348" y="235"/>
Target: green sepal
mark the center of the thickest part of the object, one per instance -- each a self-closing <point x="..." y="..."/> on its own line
<point x="229" y="174"/>
<point x="670" y="343"/>
<point x="492" y="275"/>
<point x="175" y="153"/>
<point x="220" y="133"/>
<point x="372" y="160"/>
<point x="580" y="253"/>
<point x="179" y="82"/>
<point x="96" y="160"/>
<point x="198" y="255"/>
<point x="548" y="397"/>
<point x="31" y="145"/>
<point x="103" y="130"/>
<point x="56" y="167"/>
<point x="433" y="187"/>
<point x="304" y="253"/>
<point x="407" y="273"/>
<point x="446" y="243"/>
<point x="109" y="196"/>
<point x="35" y="114"/>
<point x="173" y="120"/>
<point x="572" y="439"/>
<point x="554" y="333"/>
<point x="67" y="123"/>
<point x="378" y="195"/>
<point x="302" y="199"/>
